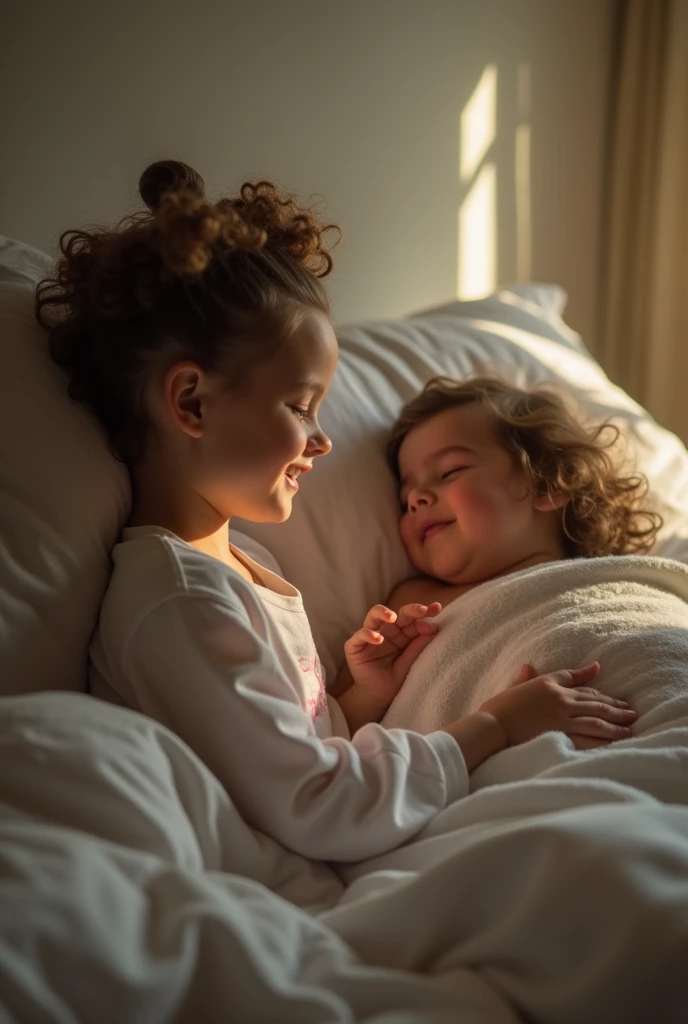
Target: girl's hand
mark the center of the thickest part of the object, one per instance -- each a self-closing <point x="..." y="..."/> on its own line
<point x="380" y="654"/>
<point x="560" y="701"/>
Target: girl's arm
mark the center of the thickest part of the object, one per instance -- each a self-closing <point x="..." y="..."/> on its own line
<point x="197" y="665"/>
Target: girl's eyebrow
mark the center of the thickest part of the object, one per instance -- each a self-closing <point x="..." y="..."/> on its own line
<point x="309" y="385"/>
<point x="464" y="449"/>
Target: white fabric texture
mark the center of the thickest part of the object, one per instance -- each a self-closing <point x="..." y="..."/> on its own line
<point x="629" y="613"/>
<point x="340" y="546"/>
<point x="185" y="639"/>
<point x="131" y="889"/>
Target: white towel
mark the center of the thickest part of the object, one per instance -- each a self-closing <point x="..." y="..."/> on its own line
<point x="629" y="613"/>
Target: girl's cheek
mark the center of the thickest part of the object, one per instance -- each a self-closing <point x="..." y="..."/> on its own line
<point x="294" y="438"/>
<point x="465" y="498"/>
<point x="405" y="531"/>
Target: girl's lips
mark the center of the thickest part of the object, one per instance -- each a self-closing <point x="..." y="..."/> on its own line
<point x="432" y="530"/>
<point x="291" y="482"/>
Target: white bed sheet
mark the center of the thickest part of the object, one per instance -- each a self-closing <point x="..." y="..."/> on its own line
<point x="130" y="889"/>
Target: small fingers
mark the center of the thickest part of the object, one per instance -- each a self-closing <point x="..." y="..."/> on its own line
<point x="577" y="676"/>
<point x="379" y="615"/>
<point x="365" y="636"/>
<point x="597" y="728"/>
<point x="600" y="709"/>
<point x="411" y="613"/>
<point x="586" y="693"/>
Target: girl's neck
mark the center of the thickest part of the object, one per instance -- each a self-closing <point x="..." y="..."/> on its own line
<point x="160" y="500"/>
<point x="429" y="589"/>
<point x="216" y="544"/>
<point x="163" y="498"/>
<point x="538" y="558"/>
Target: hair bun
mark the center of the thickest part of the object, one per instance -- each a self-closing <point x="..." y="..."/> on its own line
<point x="165" y="176"/>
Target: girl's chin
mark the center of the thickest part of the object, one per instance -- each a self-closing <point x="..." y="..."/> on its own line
<point x="279" y="514"/>
<point x="276" y="510"/>
<point x="447" y="570"/>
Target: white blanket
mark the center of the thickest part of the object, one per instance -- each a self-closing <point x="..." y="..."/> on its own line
<point x="630" y="614"/>
<point x="131" y="889"/>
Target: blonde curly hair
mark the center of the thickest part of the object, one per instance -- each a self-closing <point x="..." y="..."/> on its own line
<point x="604" y="513"/>
<point x="218" y="283"/>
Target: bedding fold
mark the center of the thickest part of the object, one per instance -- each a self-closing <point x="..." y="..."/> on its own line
<point x="124" y="863"/>
<point x="629" y="613"/>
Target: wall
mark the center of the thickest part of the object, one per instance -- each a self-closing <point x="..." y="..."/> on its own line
<point x="358" y="100"/>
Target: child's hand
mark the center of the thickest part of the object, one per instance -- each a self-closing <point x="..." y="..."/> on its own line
<point x="562" y="702"/>
<point x="380" y="654"/>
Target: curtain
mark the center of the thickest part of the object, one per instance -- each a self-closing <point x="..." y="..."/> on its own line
<point x="644" y="309"/>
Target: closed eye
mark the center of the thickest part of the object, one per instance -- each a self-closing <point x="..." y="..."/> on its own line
<point x="450" y="472"/>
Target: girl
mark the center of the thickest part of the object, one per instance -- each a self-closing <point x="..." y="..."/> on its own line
<point x="494" y="479"/>
<point x="199" y="334"/>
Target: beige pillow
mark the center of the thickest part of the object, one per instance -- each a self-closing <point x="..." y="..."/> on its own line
<point x="64" y="499"/>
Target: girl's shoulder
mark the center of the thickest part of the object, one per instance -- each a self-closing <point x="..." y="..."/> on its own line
<point x="153" y="567"/>
<point x="151" y="558"/>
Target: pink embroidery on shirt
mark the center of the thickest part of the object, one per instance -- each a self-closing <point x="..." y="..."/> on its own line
<point x="316" y="699"/>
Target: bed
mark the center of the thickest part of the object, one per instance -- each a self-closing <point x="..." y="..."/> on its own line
<point x="130" y="887"/>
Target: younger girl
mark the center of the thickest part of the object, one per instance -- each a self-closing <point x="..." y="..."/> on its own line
<point x="200" y="336"/>
<point x="494" y="479"/>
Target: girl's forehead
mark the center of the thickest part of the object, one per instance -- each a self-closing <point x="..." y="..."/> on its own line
<point x="470" y="426"/>
<point x="311" y="350"/>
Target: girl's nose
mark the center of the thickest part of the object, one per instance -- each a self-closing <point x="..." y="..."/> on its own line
<point x="318" y="443"/>
<point x="419" y="498"/>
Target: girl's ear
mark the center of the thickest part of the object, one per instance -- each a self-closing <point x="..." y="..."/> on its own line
<point x="183" y="394"/>
<point x="550" y="502"/>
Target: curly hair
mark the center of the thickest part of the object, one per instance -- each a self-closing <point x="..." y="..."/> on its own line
<point x="218" y="283"/>
<point x="604" y="512"/>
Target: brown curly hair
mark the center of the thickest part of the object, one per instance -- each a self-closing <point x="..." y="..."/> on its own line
<point x="218" y="283"/>
<point x="604" y="512"/>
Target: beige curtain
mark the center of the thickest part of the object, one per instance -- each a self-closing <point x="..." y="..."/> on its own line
<point x="644" y="328"/>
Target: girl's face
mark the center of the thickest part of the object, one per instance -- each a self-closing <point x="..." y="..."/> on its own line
<point x="248" y="446"/>
<point x="468" y="513"/>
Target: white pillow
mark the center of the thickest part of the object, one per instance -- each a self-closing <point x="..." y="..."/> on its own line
<point x="64" y="500"/>
<point x="340" y="546"/>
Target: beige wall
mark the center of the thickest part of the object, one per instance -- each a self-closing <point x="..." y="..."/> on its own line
<point x="359" y="100"/>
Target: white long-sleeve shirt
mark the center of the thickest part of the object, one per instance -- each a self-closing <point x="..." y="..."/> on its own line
<point x="231" y="667"/>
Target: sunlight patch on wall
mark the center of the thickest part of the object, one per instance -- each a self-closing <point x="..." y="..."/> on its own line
<point x="478" y="124"/>
<point x="477" y="216"/>
<point x="477" y="263"/>
<point x="524" y="260"/>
